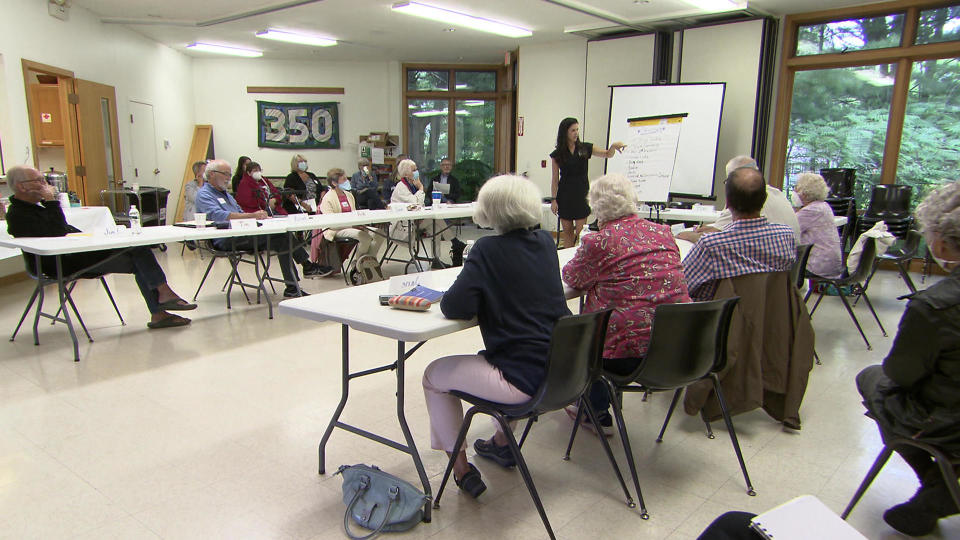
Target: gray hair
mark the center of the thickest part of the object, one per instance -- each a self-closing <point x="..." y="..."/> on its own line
<point x="215" y="164"/>
<point x="363" y="162"/>
<point x="405" y="168"/>
<point x="18" y="174"/>
<point x="612" y="196"/>
<point x="507" y="203"/>
<point x="741" y="161"/>
<point x="811" y="187"/>
<point x="940" y="213"/>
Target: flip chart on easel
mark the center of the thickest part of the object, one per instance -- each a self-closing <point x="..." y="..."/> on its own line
<point x="651" y="154"/>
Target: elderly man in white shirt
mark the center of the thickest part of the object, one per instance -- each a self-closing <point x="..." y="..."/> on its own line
<point x="777" y="208"/>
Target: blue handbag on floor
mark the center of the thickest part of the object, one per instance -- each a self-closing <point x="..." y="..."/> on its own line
<point x="379" y="501"/>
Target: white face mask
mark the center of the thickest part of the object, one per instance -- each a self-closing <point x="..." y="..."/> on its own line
<point x="257" y="175"/>
<point x="946" y="265"/>
<point x="302" y="165"/>
<point x="795" y="199"/>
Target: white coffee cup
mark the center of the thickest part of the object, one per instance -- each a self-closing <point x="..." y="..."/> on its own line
<point x="201" y="219"/>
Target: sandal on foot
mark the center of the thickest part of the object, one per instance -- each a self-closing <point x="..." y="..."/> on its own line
<point x="500" y="455"/>
<point x="177" y="304"/>
<point x="169" y="322"/>
<point x="471" y="483"/>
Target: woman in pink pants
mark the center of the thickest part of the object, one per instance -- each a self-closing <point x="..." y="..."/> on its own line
<point x="511" y="283"/>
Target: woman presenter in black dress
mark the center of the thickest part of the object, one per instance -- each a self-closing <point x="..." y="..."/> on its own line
<point x="570" y="185"/>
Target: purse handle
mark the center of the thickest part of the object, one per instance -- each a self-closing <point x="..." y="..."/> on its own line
<point x="364" y="485"/>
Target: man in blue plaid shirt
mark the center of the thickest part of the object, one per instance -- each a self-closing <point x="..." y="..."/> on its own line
<point x="749" y="245"/>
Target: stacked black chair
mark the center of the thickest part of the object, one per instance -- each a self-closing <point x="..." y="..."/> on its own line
<point x="889" y="203"/>
<point x="574" y="362"/>
<point x="674" y="360"/>
<point x="842" y="199"/>
<point x="945" y="464"/>
<point x="855" y="283"/>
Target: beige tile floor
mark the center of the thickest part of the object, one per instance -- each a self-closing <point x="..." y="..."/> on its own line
<point x="210" y="432"/>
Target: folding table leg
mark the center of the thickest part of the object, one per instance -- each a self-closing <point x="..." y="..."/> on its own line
<point x="344" y="393"/>
<point x="62" y="292"/>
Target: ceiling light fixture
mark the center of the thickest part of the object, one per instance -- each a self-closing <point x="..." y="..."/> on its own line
<point x="461" y="19"/>
<point x="715" y="6"/>
<point x="290" y="37"/>
<point x="220" y="49"/>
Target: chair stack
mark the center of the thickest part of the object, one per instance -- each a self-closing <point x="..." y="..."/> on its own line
<point x="890" y="204"/>
<point x="841" y="198"/>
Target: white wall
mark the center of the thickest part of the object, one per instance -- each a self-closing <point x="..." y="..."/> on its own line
<point x="370" y="103"/>
<point x="626" y="60"/>
<point x="551" y="87"/>
<point x="727" y="53"/>
<point x="138" y="68"/>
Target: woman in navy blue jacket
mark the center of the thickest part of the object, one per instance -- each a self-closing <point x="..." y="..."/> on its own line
<point x="511" y="283"/>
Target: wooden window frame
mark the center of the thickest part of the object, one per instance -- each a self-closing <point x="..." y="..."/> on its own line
<point x="902" y="56"/>
<point x="502" y="96"/>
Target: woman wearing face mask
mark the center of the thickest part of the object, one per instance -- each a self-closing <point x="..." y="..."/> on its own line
<point x="409" y="190"/>
<point x="300" y="179"/>
<point x="366" y="186"/>
<point x="257" y="193"/>
<point x="340" y="199"/>
<point x="916" y="392"/>
<point x="816" y="225"/>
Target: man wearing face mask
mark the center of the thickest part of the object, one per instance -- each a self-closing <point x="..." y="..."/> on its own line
<point x="915" y="394"/>
<point x="366" y="186"/>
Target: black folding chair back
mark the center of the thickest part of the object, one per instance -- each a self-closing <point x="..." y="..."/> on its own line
<point x="573" y="363"/>
<point x="856" y="281"/>
<point x="900" y="256"/>
<point x="800" y="264"/>
<point x="890" y="200"/>
<point x="840" y="180"/>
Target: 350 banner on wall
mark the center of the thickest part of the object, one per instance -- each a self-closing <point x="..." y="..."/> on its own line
<point x="298" y="125"/>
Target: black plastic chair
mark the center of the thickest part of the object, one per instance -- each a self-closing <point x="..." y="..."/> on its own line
<point x="890" y="200"/>
<point x="236" y="258"/>
<point x="901" y="256"/>
<point x="855" y="281"/>
<point x="944" y="463"/>
<point x="688" y="343"/>
<point x="799" y="268"/>
<point x="38" y="296"/>
<point x="574" y="362"/>
<point x="841" y="181"/>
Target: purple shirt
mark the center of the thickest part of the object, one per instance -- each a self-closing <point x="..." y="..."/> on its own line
<point x="746" y="246"/>
<point x="817" y="228"/>
<point x="631" y="265"/>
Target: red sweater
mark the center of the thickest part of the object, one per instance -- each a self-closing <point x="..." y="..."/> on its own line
<point x="251" y="195"/>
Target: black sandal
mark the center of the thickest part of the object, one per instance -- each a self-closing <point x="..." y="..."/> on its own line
<point x="471" y="483"/>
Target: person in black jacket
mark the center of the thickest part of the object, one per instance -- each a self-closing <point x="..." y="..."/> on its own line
<point x="35" y="212"/>
<point x="916" y="392"/>
<point x="511" y="283"/>
<point x="444" y="177"/>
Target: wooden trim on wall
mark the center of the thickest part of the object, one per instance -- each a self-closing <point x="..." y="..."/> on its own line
<point x="946" y="49"/>
<point x="898" y="108"/>
<point x="30" y="65"/>
<point x="870" y="10"/>
<point x="294" y="90"/>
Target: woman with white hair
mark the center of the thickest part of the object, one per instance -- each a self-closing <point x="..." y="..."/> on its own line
<point x="915" y="394"/>
<point x="817" y="226"/>
<point x="630" y="265"/>
<point x="511" y="283"/>
<point x="409" y="190"/>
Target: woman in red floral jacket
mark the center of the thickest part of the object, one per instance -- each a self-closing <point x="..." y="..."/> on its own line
<point x="630" y="265"/>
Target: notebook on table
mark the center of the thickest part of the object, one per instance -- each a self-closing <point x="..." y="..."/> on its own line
<point x="801" y="519"/>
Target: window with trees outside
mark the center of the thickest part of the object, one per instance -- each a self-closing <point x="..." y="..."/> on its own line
<point x="875" y="88"/>
<point x="452" y="112"/>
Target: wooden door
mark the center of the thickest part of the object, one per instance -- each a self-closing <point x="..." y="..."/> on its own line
<point x="99" y="139"/>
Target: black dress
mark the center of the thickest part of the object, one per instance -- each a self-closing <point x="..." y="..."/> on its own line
<point x="573" y="186"/>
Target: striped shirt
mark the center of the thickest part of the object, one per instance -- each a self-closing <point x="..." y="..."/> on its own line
<point x="746" y="246"/>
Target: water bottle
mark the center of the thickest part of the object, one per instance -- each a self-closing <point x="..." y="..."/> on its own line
<point x="134" y="220"/>
<point x="467" y="248"/>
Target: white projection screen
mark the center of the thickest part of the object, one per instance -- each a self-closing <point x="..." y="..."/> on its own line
<point x="696" y="160"/>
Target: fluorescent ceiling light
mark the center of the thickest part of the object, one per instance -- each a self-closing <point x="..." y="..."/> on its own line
<point x="290" y="37"/>
<point x="473" y="102"/>
<point x="714" y="6"/>
<point x="461" y="19"/>
<point x="220" y="49"/>
<point x="422" y="114"/>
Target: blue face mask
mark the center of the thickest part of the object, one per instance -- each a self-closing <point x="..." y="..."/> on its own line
<point x="346" y="186"/>
<point x="416" y="175"/>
